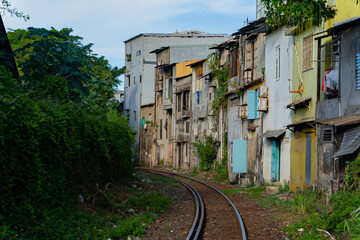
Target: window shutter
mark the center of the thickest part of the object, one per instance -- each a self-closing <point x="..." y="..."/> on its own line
<point x="358" y="71"/>
<point x="252" y="105"/>
<point x="240" y="156"/>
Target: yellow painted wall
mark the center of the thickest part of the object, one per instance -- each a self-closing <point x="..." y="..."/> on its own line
<point x="308" y="76"/>
<point x="183" y="70"/>
<point x="298" y="152"/>
<point x="346" y="9"/>
<point x="298" y="138"/>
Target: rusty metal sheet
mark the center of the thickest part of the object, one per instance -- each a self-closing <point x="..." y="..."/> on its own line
<point x="350" y="142"/>
<point x="342" y="121"/>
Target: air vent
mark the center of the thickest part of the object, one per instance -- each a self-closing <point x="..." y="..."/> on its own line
<point x="327" y="135"/>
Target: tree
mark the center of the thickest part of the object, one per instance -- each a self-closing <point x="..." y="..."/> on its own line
<point x="60" y="56"/>
<point x="5" y="7"/>
<point x="297" y="12"/>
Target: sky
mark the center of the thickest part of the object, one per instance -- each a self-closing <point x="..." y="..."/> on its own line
<point x="108" y="23"/>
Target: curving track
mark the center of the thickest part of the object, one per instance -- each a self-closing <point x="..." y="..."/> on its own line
<point x="199" y="219"/>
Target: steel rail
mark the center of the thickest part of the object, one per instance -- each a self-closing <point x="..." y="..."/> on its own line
<point x="199" y="218"/>
<point x="240" y="221"/>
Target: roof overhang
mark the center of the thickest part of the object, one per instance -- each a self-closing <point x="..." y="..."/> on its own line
<point x="350" y="142"/>
<point x="300" y="103"/>
<point x="274" y="133"/>
<point x="301" y="124"/>
<point x="342" y="121"/>
<point x="342" y="26"/>
<point x="257" y="26"/>
<point x="158" y="50"/>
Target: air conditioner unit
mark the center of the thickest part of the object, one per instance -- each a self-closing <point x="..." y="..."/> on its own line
<point x="263" y="91"/>
<point x="242" y="112"/>
<point x="262" y="105"/>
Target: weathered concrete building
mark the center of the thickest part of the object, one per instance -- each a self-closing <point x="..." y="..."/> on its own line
<point x="173" y="100"/>
<point x="139" y="76"/>
<point x="202" y="95"/>
<point x="338" y="106"/>
<point x="278" y="80"/>
<point x="246" y="151"/>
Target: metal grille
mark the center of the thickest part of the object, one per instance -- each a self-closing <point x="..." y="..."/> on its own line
<point x="327" y="133"/>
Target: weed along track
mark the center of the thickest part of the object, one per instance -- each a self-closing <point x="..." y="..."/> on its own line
<point x="216" y="217"/>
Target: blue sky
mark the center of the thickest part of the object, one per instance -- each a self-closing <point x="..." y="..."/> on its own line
<point x="108" y="23"/>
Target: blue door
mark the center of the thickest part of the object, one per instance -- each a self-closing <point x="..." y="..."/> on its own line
<point x="275" y="159"/>
<point x="239" y="156"/>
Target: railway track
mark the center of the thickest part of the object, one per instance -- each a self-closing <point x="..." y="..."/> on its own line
<point x="197" y="229"/>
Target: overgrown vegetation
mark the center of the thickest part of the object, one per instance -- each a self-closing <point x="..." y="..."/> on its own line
<point x="60" y="136"/>
<point x="221" y="75"/>
<point x="297" y="12"/>
<point x="316" y="220"/>
<point x="205" y="150"/>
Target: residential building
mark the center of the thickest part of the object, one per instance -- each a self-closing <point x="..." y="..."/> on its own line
<point x="278" y="80"/>
<point x="140" y="66"/>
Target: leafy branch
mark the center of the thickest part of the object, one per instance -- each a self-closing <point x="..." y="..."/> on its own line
<point x="297" y="12"/>
<point x="5" y="6"/>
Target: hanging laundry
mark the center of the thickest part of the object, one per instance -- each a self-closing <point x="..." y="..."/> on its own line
<point x="330" y="83"/>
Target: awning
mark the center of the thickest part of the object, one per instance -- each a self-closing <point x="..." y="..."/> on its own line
<point x="300" y="103"/>
<point x="304" y="123"/>
<point x="350" y="142"/>
<point x="274" y="133"/>
<point x="257" y="26"/>
<point x="342" y="121"/>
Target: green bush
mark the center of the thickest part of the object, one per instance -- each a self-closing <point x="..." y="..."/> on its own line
<point x="51" y="151"/>
<point x="304" y="200"/>
<point x="206" y="150"/>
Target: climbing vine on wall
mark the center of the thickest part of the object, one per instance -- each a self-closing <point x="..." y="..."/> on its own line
<point x="221" y="75"/>
<point x="297" y="12"/>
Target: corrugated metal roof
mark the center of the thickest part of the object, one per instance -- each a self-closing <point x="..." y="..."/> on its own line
<point x="274" y="133"/>
<point x="350" y="142"/>
<point x="342" y="121"/>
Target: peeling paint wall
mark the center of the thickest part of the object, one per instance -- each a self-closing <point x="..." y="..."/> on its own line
<point x="278" y="116"/>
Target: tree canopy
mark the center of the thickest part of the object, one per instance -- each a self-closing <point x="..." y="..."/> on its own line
<point x="63" y="60"/>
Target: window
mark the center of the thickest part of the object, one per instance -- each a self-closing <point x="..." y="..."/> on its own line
<point x="357" y="71"/>
<point x="307" y="52"/>
<point x="161" y="126"/>
<point x="277" y="62"/>
<point x="149" y="117"/>
<point x="134" y="79"/>
<point x="186" y="101"/>
<point x="252" y="105"/>
<point x="128" y="80"/>
<point x="134" y="115"/>
<point x="187" y="127"/>
<point x="209" y="96"/>
<point x="138" y="53"/>
<point x="179" y="102"/>
<point x="169" y="88"/>
<point x="140" y="78"/>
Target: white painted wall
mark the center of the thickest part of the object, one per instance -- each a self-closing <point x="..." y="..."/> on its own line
<point x="278" y="116"/>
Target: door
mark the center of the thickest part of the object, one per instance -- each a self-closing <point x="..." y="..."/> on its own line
<point x="240" y="156"/>
<point x="308" y="159"/>
<point x="275" y="159"/>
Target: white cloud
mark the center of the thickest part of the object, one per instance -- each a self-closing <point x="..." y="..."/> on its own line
<point x="108" y="23"/>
